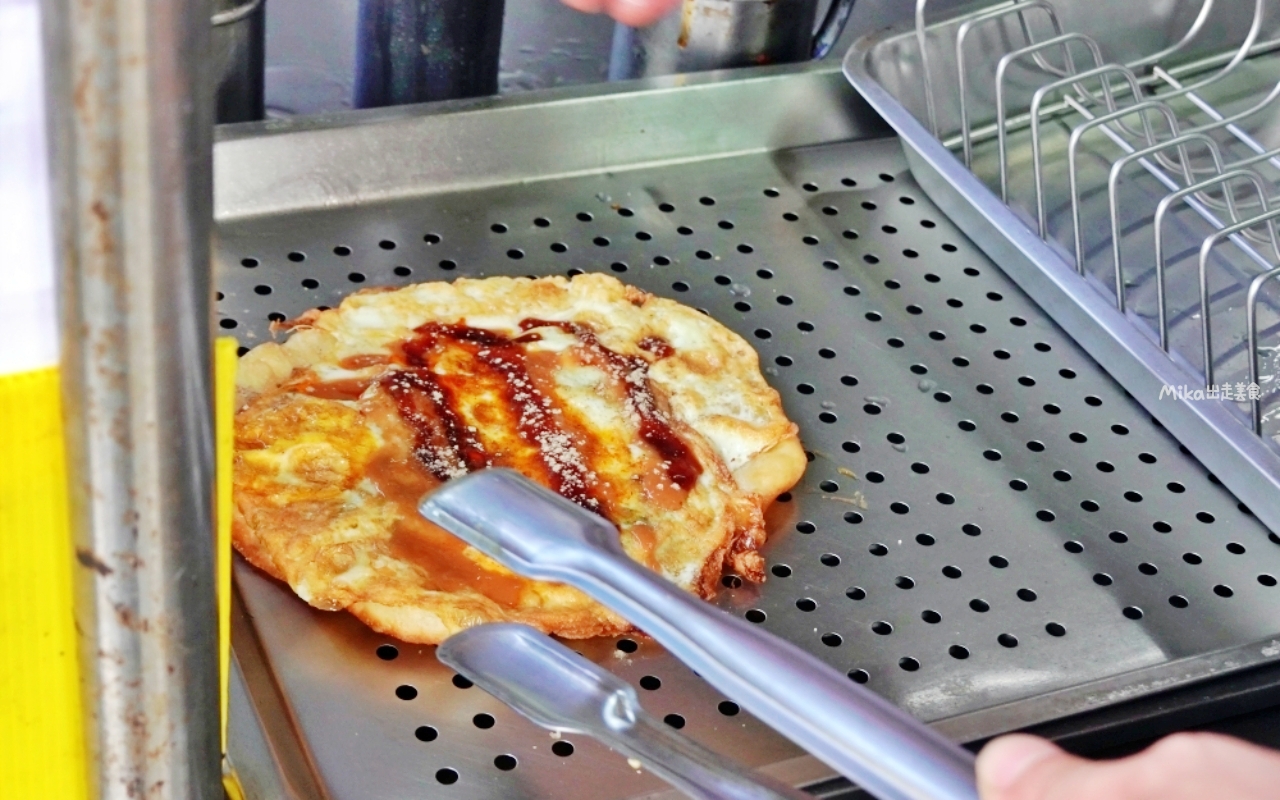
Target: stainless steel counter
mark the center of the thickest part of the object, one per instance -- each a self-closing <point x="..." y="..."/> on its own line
<point x="991" y="532"/>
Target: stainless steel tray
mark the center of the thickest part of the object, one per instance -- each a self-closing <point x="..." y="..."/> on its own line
<point x="971" y="535"/>
<point x="913" y="80"/>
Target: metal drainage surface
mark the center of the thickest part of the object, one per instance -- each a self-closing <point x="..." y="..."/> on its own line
<point x="986" y="518"/>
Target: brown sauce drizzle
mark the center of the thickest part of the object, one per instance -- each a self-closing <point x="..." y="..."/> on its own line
<point x="646" y="540"/>
<point x="344" y="389"/>
<point x="681" y="466"/>
<point x="441" y="555"/>
<point x="566" y="469"/>
<point x="441" y="446"/>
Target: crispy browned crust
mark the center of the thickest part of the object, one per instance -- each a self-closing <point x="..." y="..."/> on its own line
<point x="326" y="535"/>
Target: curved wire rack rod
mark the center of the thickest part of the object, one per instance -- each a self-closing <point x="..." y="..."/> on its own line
<point x="1206" y="337"/>
<point x="1002" y="68"/>
<point x="1020" y="10"/>
<point x="1251" y="316"/>
<point x="1242" y="52"/>
<point x="1037" y="101"/>
<point x="1196" y="26"/>
<point x="1229" y="123"/>
<point x="1191" y="195"/>
<point x="1237" y="57"/>
<point x="1073" y="146"/>
<point x="1148" y="80"/>
<point x="1186" y="194"/>
<point x="1218" y="205"/>
<point x="922" y="45"/>
<point x="1113" y="182"/>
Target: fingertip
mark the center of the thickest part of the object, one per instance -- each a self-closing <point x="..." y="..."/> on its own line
<point x="640" y="13"/>
<point x="1005" y="760"/>
<point x="586" y="6"/>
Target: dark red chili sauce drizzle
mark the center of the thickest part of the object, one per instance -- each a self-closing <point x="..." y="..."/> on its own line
<point x="660" y="347"/>
<point x="682" y="467"/>
<point x="566" y="471"/>
<point x="442" y="440"/>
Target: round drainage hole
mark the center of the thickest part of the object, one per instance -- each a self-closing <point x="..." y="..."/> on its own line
<point x="447" y="776"/>
<point x="426" y="733"/>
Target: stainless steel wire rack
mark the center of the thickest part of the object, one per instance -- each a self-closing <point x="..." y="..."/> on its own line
<point x="1121" y="162"/>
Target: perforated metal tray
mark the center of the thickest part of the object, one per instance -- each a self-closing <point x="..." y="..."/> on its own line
<point x="990" y="533"/>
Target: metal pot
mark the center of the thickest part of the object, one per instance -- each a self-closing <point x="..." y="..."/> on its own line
<point x="237" y="52"/>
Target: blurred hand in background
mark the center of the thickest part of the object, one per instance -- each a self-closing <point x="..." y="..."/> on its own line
<point x="1184" y="766"/>
<point x="636" y="13"/>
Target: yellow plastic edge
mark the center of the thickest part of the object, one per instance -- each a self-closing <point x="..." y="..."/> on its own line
<point x="231" y="785"/>
<point x="42" y="748"/>
<point x="225" y="362"/>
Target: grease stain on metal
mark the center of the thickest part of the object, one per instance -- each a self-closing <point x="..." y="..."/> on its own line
<point x="90" y="559"/>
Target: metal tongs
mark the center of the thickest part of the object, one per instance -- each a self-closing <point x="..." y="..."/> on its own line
<point x="537" y="533"/>
<point x="559" y="689"/>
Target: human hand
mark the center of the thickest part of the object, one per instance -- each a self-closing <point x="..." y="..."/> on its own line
<point x="636" y="13"/>
<point x="1184" y="766"/>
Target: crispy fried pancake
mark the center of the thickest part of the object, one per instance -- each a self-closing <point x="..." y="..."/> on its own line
<point x="640" y="409"/>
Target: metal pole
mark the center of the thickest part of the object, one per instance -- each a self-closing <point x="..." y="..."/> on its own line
<point x="130" y="127"/>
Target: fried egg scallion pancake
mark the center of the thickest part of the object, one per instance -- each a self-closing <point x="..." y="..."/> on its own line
<point x="642" y="410"/>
